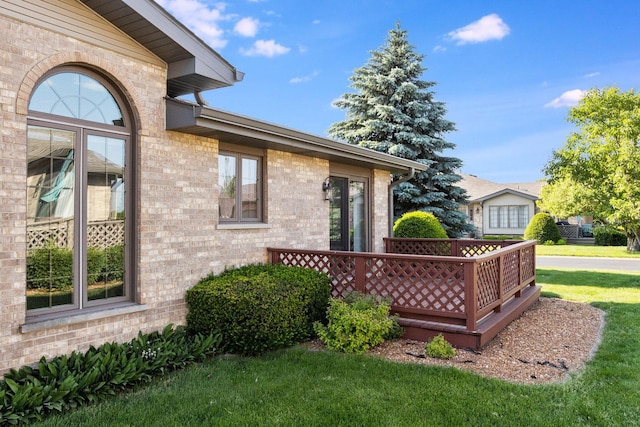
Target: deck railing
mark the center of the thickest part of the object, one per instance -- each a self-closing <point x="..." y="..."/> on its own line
<point x="457" y="290"/>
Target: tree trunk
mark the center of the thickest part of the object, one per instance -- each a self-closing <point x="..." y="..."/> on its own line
<point x="633" y="244"/>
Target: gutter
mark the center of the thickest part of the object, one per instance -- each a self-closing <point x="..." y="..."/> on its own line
<point x="392" y="185"/>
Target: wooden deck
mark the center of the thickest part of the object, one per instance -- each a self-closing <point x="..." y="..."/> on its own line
<point x="468" y="290"/>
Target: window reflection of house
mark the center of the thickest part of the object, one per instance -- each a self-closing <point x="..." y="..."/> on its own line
<point x="50" y="190"/>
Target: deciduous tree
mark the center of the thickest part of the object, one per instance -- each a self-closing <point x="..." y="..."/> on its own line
<point x="601" y="159"/>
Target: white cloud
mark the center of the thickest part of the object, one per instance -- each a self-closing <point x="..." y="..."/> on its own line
<point x="490" y="27"/>
<point x="268" y="48"/>
<point x="304" y="79"/>
<point x="315" y="21"/>
<point x="567" y="99"/>
<point x="201" y="18"/>
<point x="590" y="75"/>
<point x="439" y="49"/>
<point x="247" y="27"/>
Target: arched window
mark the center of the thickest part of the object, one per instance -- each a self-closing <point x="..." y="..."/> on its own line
<point x="79" y="194"/>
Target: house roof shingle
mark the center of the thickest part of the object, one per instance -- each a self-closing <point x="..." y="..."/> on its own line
<point x="479" y="189"/>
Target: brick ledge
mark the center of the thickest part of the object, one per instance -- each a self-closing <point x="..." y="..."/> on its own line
<point x="38" y="325"/>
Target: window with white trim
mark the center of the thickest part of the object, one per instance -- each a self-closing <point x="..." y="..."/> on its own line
<point x="508" y="216"/>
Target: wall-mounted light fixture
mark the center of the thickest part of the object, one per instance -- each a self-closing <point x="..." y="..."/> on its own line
<point x="326" y="187"/>
<point x="477" y="210"/>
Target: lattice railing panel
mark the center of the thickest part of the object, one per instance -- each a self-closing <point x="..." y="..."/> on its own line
<point x="471" y="250"/>
<point x="527" y="261"/>
<point x="430" y="286"/>
<point x="488" y="282"/>
<point x="510" y="271"/>
<point x="434" y="286"/>
<point x="341" y="269"/>
<point x="420" y="247"/>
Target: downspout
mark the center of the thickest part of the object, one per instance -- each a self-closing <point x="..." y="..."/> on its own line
<point x="393" y="184"/>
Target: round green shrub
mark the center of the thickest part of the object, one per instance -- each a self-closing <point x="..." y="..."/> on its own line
<point x="357" y="323"/>
<point x="419" y="225"/>
<point x="259" y="308"/>
<point x="439" y="348"/>
<point x="542" y="228"/>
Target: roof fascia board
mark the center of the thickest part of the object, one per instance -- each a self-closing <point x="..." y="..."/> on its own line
<point x="181" y="115"/>
<point x="507" y="191"/>
<point x="174" y="29"/>
<point x="206" y="61"/>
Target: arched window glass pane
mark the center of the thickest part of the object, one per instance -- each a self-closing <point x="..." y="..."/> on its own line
<point x="77" y="96"/>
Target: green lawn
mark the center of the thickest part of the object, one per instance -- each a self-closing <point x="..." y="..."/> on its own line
<point x="586" y="250"/>
<point x="296" y="387"/>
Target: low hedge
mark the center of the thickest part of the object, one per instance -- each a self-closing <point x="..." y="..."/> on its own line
<point x="51" y="267"/>
<point x="259" y="308"/>
<point x="609" y="236"/>
<point x="64" y="382"/>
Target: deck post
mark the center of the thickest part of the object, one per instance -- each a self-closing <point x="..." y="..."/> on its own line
<point x="273" y="256"/>
<point x="500" y="283"/>
<point x="360" y="273"/>
<point x="471" y="294"/>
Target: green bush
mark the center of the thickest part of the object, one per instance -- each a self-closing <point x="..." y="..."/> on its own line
<point x="259" y="308"/>
<point x="609" y="236"/>
<point x="357" y="323"/>
<point x="542" y="228"/>
<point x="64" y="382"/>
<point x="42" y="261"/>
<point x="419" y="225"/>
<point x="439" y="348"/>
<point x="114" y="263"/>
<point x="95" y="264"/>
<point x="51" y="266"/>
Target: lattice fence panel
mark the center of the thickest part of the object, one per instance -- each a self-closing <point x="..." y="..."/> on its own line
<point x="57" y="234"/>
<point x="511" y="271"/>
<point x="436" y="286"/>
<point x="571" y="231"/>
<point x="101" y="235"/>
<point x="488" y="282"/>
<point x="105" y="234"/>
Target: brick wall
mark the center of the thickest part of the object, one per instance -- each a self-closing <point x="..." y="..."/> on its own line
<point x="178" y="238"/>
<point x="380" y="210"/>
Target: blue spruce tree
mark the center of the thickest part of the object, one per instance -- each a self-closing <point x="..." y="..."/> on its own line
<point x="393" y="111"/>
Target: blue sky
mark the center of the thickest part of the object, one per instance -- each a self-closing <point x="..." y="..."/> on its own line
<point x="507" y="70"/>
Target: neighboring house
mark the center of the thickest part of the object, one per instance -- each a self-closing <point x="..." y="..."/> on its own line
<point x="499" y="209"/>
<point x="116" y="197"/>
